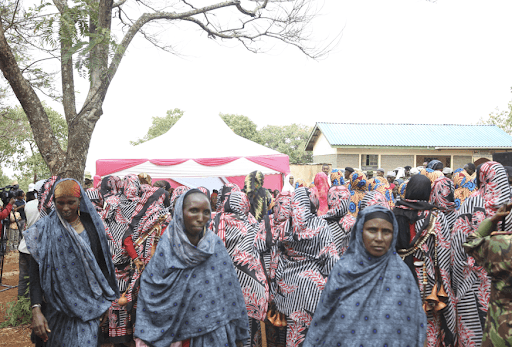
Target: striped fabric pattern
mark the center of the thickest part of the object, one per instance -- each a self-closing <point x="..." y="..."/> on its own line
<point x="339" y="220"/>
<point x="470" y="282"/>
<point x="238" y="229"/>
<point x="309" y="253"/>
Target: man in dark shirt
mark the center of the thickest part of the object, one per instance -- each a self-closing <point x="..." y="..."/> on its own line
<point x="19" y="206"/>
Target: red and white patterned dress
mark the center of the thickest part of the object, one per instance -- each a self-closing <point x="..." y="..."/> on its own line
<point x="309" y="253"/>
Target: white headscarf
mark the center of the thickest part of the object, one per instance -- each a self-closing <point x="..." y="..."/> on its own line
<point x="287" y="187"/>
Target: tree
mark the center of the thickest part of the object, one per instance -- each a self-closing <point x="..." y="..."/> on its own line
<point x="160" y="125"/>
<point x="78" y="35"/>
<point x="242" y="126"/>
<point x="502" y="119"/>
<point x="18" y="148"/>
<point x="288" y="139"/>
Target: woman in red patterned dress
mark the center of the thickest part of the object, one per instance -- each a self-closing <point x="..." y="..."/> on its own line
<point x="239" y="229"/>
<point x="424" y="244"/>
<point x="309" y="253"/>
<point x="471" y="283"/>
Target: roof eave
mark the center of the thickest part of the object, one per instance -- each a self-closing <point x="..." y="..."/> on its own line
<point x="475" y="147"/>
<point x="421" y="147"/>
<point x="312" y="137"/>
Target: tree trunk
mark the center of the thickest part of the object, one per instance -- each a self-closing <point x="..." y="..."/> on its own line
<point x="43" y="134"/>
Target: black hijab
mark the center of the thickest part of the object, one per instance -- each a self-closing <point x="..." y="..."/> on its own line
<point x="407" y="213"/>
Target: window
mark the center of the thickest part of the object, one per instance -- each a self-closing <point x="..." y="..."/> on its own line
<point x="369" y="161"/>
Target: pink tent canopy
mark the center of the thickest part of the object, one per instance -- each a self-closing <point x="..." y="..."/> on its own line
<point x="188" y="152"/>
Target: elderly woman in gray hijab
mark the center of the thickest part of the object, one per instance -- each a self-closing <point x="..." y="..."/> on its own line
<point x="371" y="297"/>
<point x="189" y="293"/>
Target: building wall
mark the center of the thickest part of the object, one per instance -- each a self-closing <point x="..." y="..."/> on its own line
<point x="323" y="147"/>
<point x="461" y="160"/>
<point x="390" y="157"/>
<point x="306" y="171"/>
<point x="330" y="159"/>
<point x="391" y="161"/>
<point x="344" y="160"/>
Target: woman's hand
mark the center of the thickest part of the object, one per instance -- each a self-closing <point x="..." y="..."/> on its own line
<point x="139" y="264"/>
<point x="39" y="324"/>
<point x="502" y="212"/>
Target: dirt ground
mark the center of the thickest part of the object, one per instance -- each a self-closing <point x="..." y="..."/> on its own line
<point x="18" y="336"/>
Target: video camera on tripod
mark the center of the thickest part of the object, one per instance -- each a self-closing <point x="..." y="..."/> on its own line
<point x="6" y="194"/>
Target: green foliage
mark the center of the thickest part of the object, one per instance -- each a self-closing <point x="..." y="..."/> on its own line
<point x="502" y="119"/>
<point x="160" y="125"/>
<point x="288" y="139"/>
<point x="17" y="313"/>
<point x="4" y="180"/>
<point x="242" y="126"/>
<point x="18" y="148"/>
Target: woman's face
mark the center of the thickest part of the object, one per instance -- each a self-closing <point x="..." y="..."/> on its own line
<point x="291" y="180"/>
<point x="196" y="212"/>
<point x="68" y="207"/>
<point x="377" y="236"/>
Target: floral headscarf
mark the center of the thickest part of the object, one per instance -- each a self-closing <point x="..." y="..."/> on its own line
<point x="374" y="198"/>
<point x="464" y="187"/>
<point x="337" y="178"/>
<point x="358" y="187"/>
<point x="382" y="185"/>
<point x="338" y="201"/>
<point x="431" y="174"/>
<point x="441" y="194"/>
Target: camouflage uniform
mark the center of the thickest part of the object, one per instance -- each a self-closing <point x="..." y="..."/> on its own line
<point x="493" y="251"/>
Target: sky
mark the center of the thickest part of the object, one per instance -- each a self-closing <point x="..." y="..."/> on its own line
<point x="397" y="61"/>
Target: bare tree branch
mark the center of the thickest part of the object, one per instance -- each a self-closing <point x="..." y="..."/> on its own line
<point x="146" y="18"/>
<point x="119" y="3"/>
<point x="35" y="62"/>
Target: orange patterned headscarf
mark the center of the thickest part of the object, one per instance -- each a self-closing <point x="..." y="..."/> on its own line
<point x="67" y="188"/>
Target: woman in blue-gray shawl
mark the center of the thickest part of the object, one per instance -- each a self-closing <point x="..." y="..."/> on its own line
<point x="72" y="279"/>
<point x="371" y="297"/>
<point x="189" y="290"/>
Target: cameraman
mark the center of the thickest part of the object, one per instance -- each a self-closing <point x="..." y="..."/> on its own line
<point x="6" y="210"/>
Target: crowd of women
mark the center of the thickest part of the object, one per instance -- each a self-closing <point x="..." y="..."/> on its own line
<point x="345" y="261"/>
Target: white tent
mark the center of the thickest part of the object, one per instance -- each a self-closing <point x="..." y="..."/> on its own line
<point x="197" y="147"/>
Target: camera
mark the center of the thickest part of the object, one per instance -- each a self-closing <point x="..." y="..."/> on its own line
<point x="8" y="192"/>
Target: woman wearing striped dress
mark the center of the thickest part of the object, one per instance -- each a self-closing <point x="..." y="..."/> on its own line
<point x="471" y="283"/>
<point x="238" y="229"/>
<point x="339" y="220"/>
<point x="442" y="197"/>
<point x="309" y="254"/>
<point x="424" y="244"/>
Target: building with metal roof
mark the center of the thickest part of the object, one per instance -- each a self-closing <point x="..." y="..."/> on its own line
<point x="389" y="145"/>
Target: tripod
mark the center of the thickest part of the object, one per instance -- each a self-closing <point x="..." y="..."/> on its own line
<point x="3" y="250"/>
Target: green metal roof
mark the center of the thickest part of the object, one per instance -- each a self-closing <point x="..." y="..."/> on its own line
<point x="410" y="135"/>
